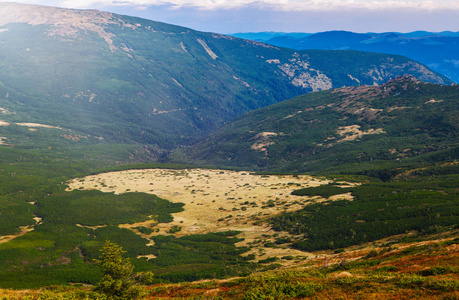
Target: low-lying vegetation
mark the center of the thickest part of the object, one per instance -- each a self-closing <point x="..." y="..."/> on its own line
<point x="415" y="270"/>
<point x="380" y="209"/>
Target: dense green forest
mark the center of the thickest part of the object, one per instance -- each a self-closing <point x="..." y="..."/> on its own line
<point x="426" y="203"/>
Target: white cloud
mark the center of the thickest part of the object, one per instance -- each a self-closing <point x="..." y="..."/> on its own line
<point x="284" y="5"/>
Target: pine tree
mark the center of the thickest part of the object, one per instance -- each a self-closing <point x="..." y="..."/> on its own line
<point x="118" y="281"/>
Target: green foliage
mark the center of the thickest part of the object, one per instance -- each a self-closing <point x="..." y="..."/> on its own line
<point x="117" y="281"/>
<point x="379" y="210"/>
<point x="438" y="270"/>
<point x="133" y="244"/>
<point x="322" y="190"/>
<point x="144" y="230"/>
<point x="175" y="229"/>
<point x="199" y="256"/>
<point x="93" y="208"/>
<point x="280" y="285"/>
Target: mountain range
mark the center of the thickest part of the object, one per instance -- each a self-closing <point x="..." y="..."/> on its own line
<point x="100" y="78"/>
<point x="438" y="50"/>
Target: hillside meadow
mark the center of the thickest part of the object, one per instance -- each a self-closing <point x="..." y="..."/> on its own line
<point x="407" y="269"/>
<point x="215" y="201"/>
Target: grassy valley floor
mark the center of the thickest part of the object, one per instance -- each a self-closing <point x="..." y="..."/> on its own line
<point x="217" y="201"/>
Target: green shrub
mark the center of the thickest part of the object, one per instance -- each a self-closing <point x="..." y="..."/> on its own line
<point x="118" y="282"/>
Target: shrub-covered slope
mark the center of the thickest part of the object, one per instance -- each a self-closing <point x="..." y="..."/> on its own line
<point x="369" y="129"/>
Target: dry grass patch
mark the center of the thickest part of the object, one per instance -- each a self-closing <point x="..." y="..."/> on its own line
<point x="215" y="200"/>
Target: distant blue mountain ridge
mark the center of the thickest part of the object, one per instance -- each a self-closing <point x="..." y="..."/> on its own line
<point x="437" y="50"/>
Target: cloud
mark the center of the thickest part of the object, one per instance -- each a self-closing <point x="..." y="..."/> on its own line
<point x="229" y="16"/>
<point x="279" y="5"/>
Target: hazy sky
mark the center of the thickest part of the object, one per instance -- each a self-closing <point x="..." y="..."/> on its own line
<point x="231" y="16"/>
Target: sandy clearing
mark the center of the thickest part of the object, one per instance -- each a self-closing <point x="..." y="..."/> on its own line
<point x="24" y="230"/>
<point x="263" y="141"/>
<point x="148" y="257"/>
<point x="215" y="201"/>
<point x="37" y="125"/>
<point x="353" y="132"/>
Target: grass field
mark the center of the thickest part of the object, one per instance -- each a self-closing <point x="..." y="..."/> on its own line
<point x="216" y="201"/>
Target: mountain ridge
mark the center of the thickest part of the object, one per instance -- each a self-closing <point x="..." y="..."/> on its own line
<point x="438" y="50"/>
<point x="121" y="79"/>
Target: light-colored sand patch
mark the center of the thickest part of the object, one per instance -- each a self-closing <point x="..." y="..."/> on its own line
<point x="292" y="115"/>
<point x="431" y="101"/>
<point x="71" y="22"/>
<point x="242" y="81"/>
<point x="158" y="112"/>
<point x="34" y="125"/>
<point x="262" y="141"/>
<point x="38" y="220"/>
<point x="353" y="132"/>
<point x="397" y="108"/>
<point x="183" y="47"/>
<point x="3" y="140"/>
<point x="353" y="78"/>
<point x="24" y="230"/>
<point x="215" y="201"/>
<point x="176" y="82"/>
<point x="3" y="110"/>
<point x="346" y="196"/>
<point x="3" y="123"/>
<point x="273" y="61"/>
<point x="148" y="257"/>
<point x="207" y="48"/>
<point x="91" y="227"/>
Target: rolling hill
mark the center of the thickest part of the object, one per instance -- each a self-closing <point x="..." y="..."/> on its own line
<point x="404" y="121"/>
<point x="99" y="78"/>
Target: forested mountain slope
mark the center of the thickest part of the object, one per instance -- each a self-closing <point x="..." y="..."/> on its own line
<point x="99" y="77"/>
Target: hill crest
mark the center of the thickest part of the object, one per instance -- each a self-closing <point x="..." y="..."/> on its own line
<point x="403" y="120"/>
